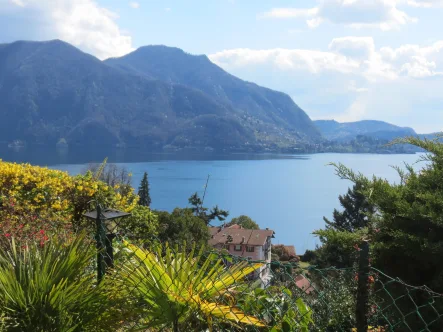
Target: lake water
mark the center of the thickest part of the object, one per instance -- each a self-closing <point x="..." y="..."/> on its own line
<point x="289" y="194"/>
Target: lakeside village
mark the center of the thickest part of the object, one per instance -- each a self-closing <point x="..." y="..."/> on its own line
<point x="87" y="253"/>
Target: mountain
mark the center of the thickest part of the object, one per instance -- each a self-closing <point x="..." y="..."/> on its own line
<point x="254" y="103"/>
<point x="346" y="131"/>
<point x="52" y="92"/>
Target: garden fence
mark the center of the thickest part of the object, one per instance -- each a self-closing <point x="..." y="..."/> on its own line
<point x="180" y="288"/>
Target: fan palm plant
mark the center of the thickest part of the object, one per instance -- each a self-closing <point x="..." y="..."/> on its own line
<point x="51" y="287"/>
<point x="178" y="289"/>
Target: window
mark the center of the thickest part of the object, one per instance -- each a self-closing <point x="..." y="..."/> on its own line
<point x="226" y="246"/>
<point x="237" y="247"/>
<point x="250" y="248"/>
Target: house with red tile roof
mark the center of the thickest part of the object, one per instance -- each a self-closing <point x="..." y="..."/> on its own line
<point x="253" y="244"/>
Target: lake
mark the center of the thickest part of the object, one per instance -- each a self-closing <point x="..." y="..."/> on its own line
<point x="287" y="193"/>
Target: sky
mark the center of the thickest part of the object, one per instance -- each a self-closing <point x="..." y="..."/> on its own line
<point x="346" y="60"/>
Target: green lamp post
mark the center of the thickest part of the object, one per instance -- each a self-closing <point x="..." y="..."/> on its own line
<point x="106" y="228"/>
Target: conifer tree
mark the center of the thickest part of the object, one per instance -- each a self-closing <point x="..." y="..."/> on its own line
<point x="356" y="211"/>
<point x="143" y="191"/>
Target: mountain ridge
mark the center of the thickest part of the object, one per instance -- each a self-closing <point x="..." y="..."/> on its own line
<point x="346" y="131"/>
<point x="197" y="71"/>
<point x="51" y="91"/>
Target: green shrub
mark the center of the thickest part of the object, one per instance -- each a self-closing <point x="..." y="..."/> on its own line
<point x="51" y="287"/>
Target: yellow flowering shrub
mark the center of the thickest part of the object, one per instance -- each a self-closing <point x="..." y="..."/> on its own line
<point x="29" y="193"/>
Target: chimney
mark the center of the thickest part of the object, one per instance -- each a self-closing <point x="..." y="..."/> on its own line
<point x="243" y="239"/>
<point x="267" y="228"/>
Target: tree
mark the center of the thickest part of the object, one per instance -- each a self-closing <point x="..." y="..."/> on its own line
<point x="347" y="227"/>
<point x="356" y="211"/>
<point x="282" y="252"/>
<point x="143" y="191"/>
<point x="182" y="226"/>
<point x="244" y="221"/>
<point x="142" y="224"/>
<point x="113" y="175"/>
<point x="202" y="212"/>
<point x="408" y="235"/>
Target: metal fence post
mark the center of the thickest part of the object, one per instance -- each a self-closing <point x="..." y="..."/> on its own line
<point x="100" y="240"/>
<point x="363" y="288"/>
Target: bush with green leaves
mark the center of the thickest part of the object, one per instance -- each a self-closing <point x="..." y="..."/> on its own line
<point x="334" y="301"/>
<point x="184" y="291"/>
<point x="52" y="287"/>
<point x="182" y="226"/>
<point x="141" y="225"/>
<point x="279" y="308"/>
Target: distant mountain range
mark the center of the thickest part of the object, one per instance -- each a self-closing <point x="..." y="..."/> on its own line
<point x="157" y="97"/>
<point x="347" y="131"/>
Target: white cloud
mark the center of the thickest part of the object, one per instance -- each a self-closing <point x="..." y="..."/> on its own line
<point x="346" y="55"/>
<point x="286" y="59"/>
<point x="425" y="3"/>
<point x="350" y="79"/>
<point x="134" y="4"/>
<point x="353" y="87"/>
<point x="382" y="14"/>
<point x="289" y="13"/>
<point x="82" y="23"/>
<point x="353" y="47"/>
<point x="355" y="112"/>
<point x="167" y="9"/>
<point x="19" y="3"/>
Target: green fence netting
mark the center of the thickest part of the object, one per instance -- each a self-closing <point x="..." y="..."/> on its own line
<point x="185" y="288"/>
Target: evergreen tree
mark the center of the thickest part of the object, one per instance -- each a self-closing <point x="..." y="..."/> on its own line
<point x="202" y="212"/>
<point x="143" y="191"/>
<point x="356" y="211"/>
<point x="407" y="235"/>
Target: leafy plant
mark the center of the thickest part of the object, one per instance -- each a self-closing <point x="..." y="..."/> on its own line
<point x="142" y="224"/>
<point x="335" y="301"/>
<point x="51" y="287"/>
<point x="278" y="307"/>
<point x="33" y="191"/>
<point x="178" y="289"/>
<point x="244" y="221"/>
<point x="182" y="226"/>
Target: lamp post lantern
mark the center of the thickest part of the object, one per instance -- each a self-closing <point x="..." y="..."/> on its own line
<point x="104" y="234"/>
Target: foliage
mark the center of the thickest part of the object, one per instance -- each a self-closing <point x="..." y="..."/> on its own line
<point x="30" y="191"/>
<point x="334" y="307"/>
<point x="308" y="256"/>
<point x="356" y="211"/>
<point x="338" y="248"/>
<point x="142" y="224"/>
<point x="143" y="191"/>
<point x="245" y="222"/>
<point x="177" y="287"/>
<point x="282" y="252"/>
<point x="51" y="287"/>
<point x="113" y="175"/>
<point x="24" y="225"/>
<point x="278" y="307"/>
<point x="408" y="235"/>
<point x="182" y="226"/>
<point x="202" y="212"/>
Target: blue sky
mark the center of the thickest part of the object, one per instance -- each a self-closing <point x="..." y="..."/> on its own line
<point x="338" y="59"/>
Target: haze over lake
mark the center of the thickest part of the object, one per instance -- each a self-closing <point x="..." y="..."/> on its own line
<point x="287" y="193"/>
